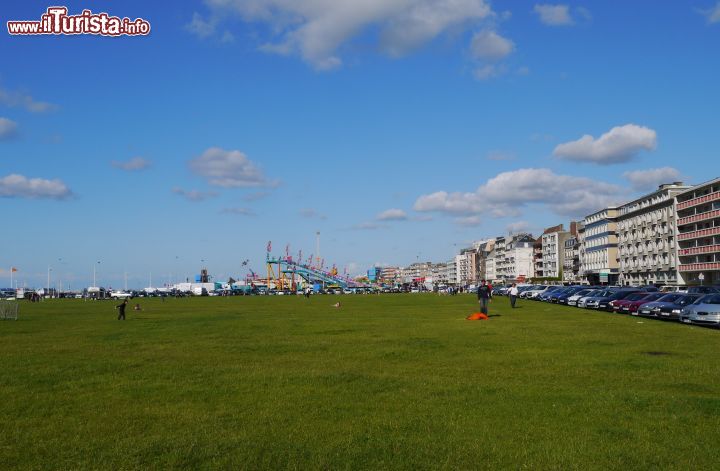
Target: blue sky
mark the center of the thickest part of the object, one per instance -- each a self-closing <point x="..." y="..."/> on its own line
<point x="401" y="130"/>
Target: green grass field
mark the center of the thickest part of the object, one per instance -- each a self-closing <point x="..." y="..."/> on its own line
<point x="390" y="381"/>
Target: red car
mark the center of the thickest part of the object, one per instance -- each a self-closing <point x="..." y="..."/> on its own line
<point x="621" y="305"/>
<point x="634" y="306"/>
<point x="634" y="301"/>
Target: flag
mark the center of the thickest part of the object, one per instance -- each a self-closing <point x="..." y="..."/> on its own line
<point x="13" y="269"/>
<point x="269" y="246"/>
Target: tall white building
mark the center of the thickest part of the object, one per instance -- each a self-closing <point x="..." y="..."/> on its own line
<point x="599" y="249"/>
<point x="519" y="263"/>
<point x="647" y="247"/>
<point x="553" y="251"/>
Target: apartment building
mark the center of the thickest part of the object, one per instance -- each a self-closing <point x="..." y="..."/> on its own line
<point x="698" y="234"/>
<point x="538" y="258"/>
<point x="599" y="250"/>
<point x="519" y="264"/>
<point x="571" y="266"/>
<point x="389" y="274"/>
<point x="646" y="229"/>
<point x="553" y="251"/>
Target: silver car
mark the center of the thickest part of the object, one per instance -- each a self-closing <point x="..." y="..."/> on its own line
<point x="582" y="302"/>
<point x="573" y="300"/>
<point x="704" y="311"/>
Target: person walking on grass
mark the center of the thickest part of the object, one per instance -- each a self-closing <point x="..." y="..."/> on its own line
<point x="513" y="293"/>
<point x="484" y="295"/>
<point x="121" y="309"/>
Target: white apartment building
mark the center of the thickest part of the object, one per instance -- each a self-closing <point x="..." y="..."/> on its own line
<point x="451" y="272"/>
<point x="490" y="273"/>
<point x="599" y="250"/>
<point x="646" y="229"/>
<point x="501" y="268"/>
<point x="519" y="263"/>
<point x="553" y="251"/>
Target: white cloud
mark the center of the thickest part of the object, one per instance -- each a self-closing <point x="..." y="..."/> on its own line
<point x="648" y="180"/>
<point x="488" y="71"/>
<point x="194" y="195"/>
<point x="712" y="14"/>
<point x="517" y="227"/>
<point x="468" y="221"/>
<point x="509" y="192"/>
<point x="310" y="213"/>
<point x="620" y="144"/>
<point x="19" y="186"/>
<point x="393" y="214"/>
<point x="239" y="211"/>
<point x="8" y="129"/>
<point x="554" y="15"/>
<point x="367" y="226"/>
<point x="488" y="45"/>
<point x="317" y="29"/>
<point x="229" y="169"/>
<point x="200" y="26"/>
<point x="23" y="100"/>
<point x="136" y="163"/>
<point x="258" y="195"/>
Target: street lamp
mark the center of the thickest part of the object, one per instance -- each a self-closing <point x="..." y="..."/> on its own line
<point x="48" y="280"/>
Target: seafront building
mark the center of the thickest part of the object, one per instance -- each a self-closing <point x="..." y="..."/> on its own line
<point x="599" y="250"/>
<point x="646" y="229"/>
<point x="698" y="234"/>
<point x="553" y="251"/>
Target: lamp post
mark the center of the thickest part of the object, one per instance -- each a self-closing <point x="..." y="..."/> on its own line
<point x="48" y="280"/>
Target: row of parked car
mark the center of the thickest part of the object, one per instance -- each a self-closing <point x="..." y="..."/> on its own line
<point x="692" y="305"/>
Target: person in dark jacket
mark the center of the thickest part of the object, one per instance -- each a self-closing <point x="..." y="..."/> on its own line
<point x="484" y="294"/>
<point x="121" y="309"/>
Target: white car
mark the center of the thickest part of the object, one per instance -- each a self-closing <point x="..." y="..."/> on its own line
<point x="573" y="300"/>
<point x="534" y="293"/>
<point x="120" y="294"/>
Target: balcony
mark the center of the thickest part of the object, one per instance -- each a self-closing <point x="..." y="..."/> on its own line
<point x="699" y="217"/>
<point x="697" y="201"/>
<point x="699" y="250"/>
<point x="700" y="266"/>
<point x="701" y="233"/>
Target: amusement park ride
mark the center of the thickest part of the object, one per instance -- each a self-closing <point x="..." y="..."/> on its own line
<point x="286" y="272"/>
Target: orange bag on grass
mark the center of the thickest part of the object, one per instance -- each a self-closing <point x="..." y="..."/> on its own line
<point x="477" y="316"/>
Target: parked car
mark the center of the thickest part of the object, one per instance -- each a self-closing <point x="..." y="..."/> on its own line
<point x="673" y="313"/>
<point x="573" y="298"/>
<point x="704" y="311"/>
<point x="602" y="303"/>
<point x="620" y="305"/>
<point x="703" y="290"/>
<point x="582" y="302"/>
<point x="562" y="297"/>
<point x="651" y="309"/>
<point x="545" y="295"/>
<point x="531" y="293"/>
<point x="633" y="306"/>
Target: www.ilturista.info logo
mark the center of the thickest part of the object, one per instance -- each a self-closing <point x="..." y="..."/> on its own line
<point x="57" y="21"/>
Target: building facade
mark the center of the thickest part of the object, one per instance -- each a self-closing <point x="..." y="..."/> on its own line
<point x="538" y="258"/>
<point x="519" y="258"/>
<point x="698" y="234"/>
<point x="647" y="246"/>
<point x="553" y="251"/>
<point x="599" y="251"/>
